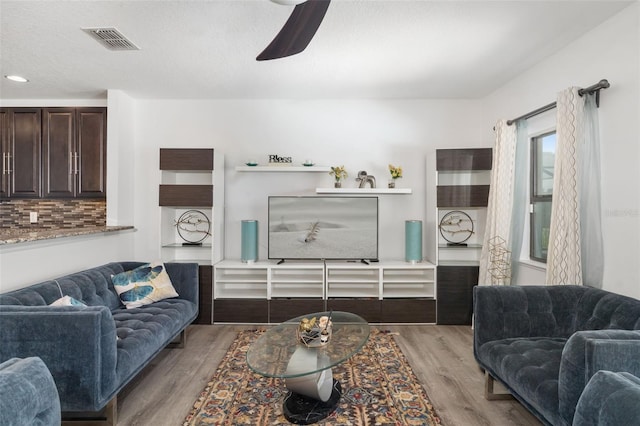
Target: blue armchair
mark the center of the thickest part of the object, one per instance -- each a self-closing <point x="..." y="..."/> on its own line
<point x="544" y="343"/>
<point x="610" y="399"/>
<point x="28" y="394"/>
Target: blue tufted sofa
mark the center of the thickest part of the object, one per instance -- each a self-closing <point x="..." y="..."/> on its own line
<point x="544" y="343"/>
<point x="94" y="351"/>
<point x="28" y="394"/>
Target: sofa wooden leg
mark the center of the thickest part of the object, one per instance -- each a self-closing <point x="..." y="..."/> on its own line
<point x="107" y="417"/>
<point x="488" y="389"/>
<point x="111" y="411"/>
<point x="181" y="342"/>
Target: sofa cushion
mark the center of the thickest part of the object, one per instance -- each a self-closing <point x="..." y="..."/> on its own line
<point x="528" y="367"/>
<point x="146" y="330"/>
<point x="144" y="285"/>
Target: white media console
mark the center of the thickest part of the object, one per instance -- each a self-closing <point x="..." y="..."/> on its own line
<point x="268" y="292"/>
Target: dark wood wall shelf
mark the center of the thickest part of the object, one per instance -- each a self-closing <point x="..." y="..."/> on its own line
<point x="453" y="196"/>
<point x="186" y="195"/>
<point x="464" y="159"/>
<point x="185" y="159"/>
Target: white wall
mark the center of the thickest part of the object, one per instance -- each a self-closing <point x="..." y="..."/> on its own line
<point x="28" y="263"/>
<point x="359" y="134"/>
<point x="611" y="51"/>
<point x="120" y="158"/>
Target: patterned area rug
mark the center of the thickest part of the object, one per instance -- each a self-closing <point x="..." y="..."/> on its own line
<point x="379" y="388"/>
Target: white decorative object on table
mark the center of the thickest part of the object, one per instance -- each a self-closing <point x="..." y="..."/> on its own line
<point x="314" y="332"/>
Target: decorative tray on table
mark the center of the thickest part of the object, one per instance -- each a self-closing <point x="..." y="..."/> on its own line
<point x="314" y="332"/>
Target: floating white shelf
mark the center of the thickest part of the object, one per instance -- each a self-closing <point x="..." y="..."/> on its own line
<point x="363" y="191"/>
<point x="285" y="169"/>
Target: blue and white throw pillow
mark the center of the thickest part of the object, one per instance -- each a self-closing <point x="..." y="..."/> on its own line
<point x="144" y="285"/>
<point x="67" y="301"/>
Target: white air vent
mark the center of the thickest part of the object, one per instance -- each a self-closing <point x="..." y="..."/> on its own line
<point x="111" y="38"/>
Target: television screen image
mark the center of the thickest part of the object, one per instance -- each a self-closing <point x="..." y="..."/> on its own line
<point x="338" y="228"/>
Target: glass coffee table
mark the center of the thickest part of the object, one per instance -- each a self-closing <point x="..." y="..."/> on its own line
<point x="314" y="393"/>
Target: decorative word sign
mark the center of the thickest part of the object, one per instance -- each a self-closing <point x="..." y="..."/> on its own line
<point x="276" y="159"/>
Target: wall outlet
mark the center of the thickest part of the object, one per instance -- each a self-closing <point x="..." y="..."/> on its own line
<point x="33" y="217"/>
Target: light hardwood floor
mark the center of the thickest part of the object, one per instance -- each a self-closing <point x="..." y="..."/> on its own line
<point x="441" y="357"/>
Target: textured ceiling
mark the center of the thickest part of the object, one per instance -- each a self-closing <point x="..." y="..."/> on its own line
<point x="207" y="49"/>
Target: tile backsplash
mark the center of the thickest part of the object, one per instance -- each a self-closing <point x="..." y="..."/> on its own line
<point x="53" y="214"/>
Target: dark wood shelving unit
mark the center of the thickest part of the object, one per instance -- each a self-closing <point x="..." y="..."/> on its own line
<point x="179" y="165"/>
<point x="455" y="280"/>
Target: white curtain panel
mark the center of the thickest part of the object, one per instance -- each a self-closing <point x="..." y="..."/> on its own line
<point x="500" y="205"/>
<point x="564" y="260"/>
<point x="520" y="200"/>
<point x="590" y="198"/>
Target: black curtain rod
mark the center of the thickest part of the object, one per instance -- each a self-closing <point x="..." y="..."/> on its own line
<point x="602" y="84"/>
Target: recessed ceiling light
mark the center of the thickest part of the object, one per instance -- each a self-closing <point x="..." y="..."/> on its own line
<point x="16" y="78"/>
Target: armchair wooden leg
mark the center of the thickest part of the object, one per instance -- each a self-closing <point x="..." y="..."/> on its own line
<point x="488" y="389"/>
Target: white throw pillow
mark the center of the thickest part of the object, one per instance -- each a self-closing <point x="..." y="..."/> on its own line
<point x="144" y="285"/>
<point x="67" y="301"/>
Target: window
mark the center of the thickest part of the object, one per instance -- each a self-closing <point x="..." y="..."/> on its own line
<point x="543" y="153"/>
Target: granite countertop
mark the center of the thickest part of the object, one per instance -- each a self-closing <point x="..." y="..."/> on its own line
<point x="13" y="236"/>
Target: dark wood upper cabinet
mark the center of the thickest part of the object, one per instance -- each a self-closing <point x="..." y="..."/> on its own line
<point x="59" y="152"/>
<point x="74" y="151"/>
<point x="92" y="152"/>
<point x="24" y="152"/>
<point x="4" y="150"/>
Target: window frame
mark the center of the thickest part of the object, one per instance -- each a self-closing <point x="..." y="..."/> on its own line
<point x="534" y="196"/>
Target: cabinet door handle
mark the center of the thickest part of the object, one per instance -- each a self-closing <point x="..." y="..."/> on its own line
<point x="77" y="161"/>
<point x="71" y="163"/>
<point x="4" y="169"/>
<point x="9" y="163"/>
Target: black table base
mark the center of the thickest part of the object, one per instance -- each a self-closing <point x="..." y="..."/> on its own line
<point x="302" y="410"/>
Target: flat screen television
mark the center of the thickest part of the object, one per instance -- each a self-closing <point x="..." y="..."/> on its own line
<point x="323" y="228"/>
